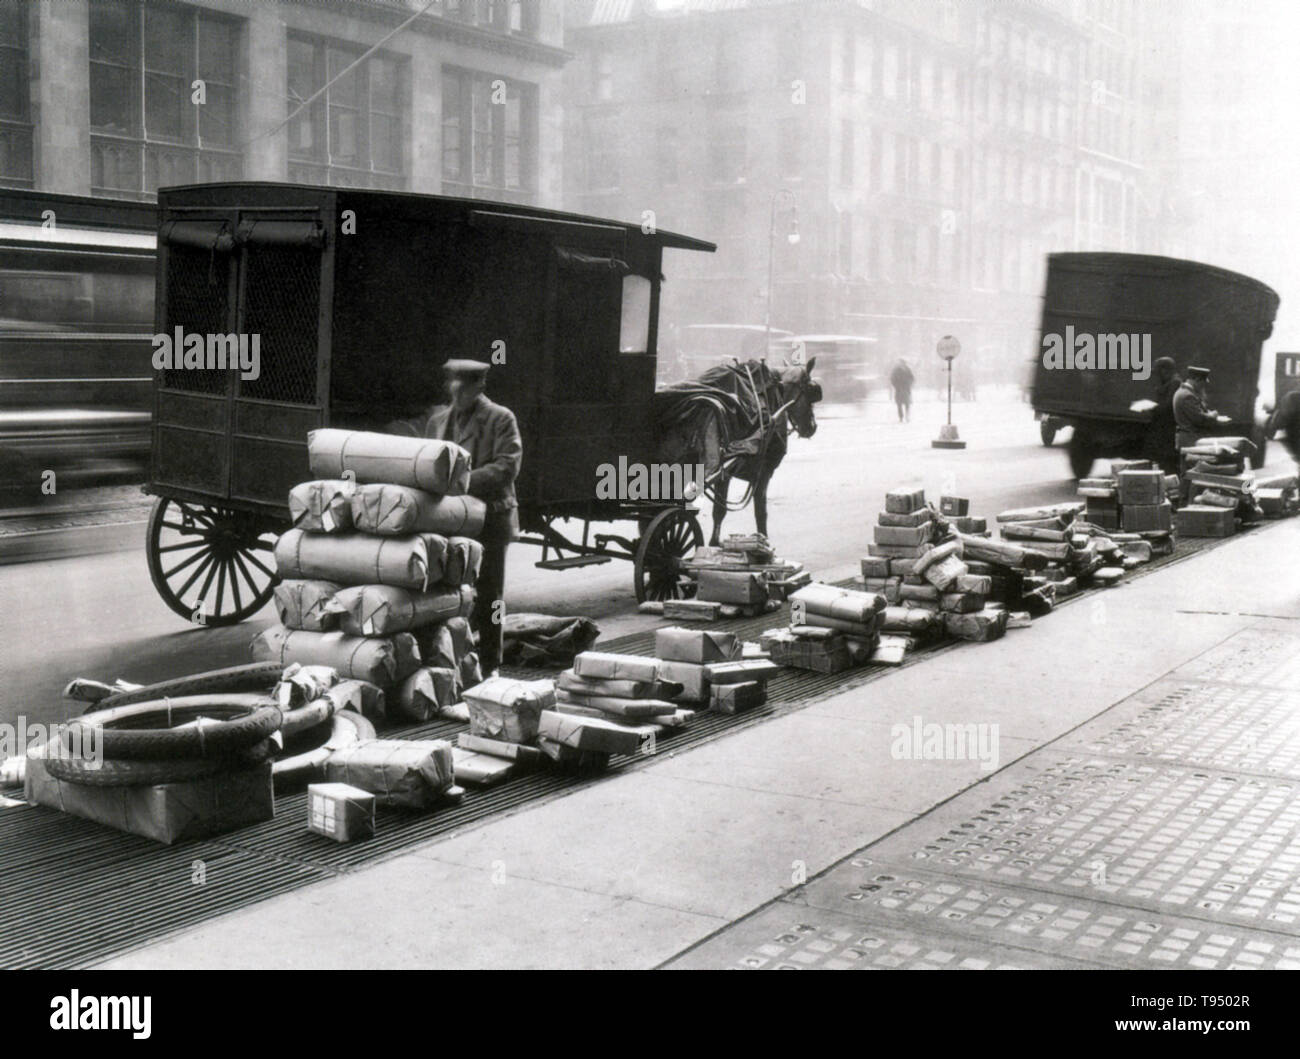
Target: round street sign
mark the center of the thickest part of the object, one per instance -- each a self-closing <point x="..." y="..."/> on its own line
<point x="948" y="347"/>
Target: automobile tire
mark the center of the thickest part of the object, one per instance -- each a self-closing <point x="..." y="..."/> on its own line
<point x="109" y="773"/>
<point x="245" y="719"/>
<point x="254" y="676"/>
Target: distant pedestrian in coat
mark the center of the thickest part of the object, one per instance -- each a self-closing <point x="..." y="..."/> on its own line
<point x="901" y="379"/>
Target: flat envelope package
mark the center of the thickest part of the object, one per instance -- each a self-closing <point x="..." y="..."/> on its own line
<point x="605" y="666"/>
<point x="438" y="467"/>
<point x="399" y="510"/>
<point x="694" y="645"/>
<point x="379" y="610"/>
<point x="356" y="559"/>
<point x="592" y="733"/>
<point x="382" y="660"/>
<point x="305" y="605"/>
<point x="322" y="506"/>
<point x="400" y="773"/>
<point x="425" y="692"/>
<point x="500" y="708"/>
<point x="165" y="812"/>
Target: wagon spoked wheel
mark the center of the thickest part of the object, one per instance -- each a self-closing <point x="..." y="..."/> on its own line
<point x="671" y="536"/>
<point x="211" y="565"/>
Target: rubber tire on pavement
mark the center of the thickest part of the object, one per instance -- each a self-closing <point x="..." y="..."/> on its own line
<point x="248" y="719"/>
<point x="253" y="676"/>
<point x="110" y="773"/>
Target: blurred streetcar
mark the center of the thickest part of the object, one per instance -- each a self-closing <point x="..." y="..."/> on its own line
<point x="76" y="316"/>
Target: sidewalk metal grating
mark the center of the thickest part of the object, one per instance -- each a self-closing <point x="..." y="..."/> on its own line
<point x="1163" y="833"/>
<point x="134" y="891"/>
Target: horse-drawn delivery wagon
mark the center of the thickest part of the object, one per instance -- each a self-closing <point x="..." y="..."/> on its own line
<point x="353" y="301"/>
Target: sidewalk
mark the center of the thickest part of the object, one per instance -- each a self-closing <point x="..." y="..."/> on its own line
<point x="632" y="871"/>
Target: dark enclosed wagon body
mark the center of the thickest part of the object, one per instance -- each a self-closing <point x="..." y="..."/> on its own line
<point x="1193" y="313"/>
<point x="360" y="297"/>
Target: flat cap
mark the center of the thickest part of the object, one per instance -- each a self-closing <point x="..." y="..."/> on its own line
<point x="465" y="367"/>
<point x="1198" y="373"/>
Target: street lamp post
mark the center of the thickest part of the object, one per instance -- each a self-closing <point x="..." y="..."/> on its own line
<point x="792" y="237"/>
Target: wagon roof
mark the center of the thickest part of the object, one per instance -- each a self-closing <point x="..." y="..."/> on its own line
<point x="633" y="229"/>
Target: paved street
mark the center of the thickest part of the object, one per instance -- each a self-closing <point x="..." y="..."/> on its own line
<point x="98" y="615"/>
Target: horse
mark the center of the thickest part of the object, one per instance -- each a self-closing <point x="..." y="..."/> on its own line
<point x="735" y="420"/>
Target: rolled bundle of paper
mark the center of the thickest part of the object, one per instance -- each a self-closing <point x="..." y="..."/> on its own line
<point x="382" y="660"/>
<point x="398" y="510"/>
<point x="378" y="610"/>
<point x="323" y="506"/>
<point x="305" y="605"/>
<point x="357" y="559"/>
<point x="438" y="467"/>
<point x="842" y="603"/>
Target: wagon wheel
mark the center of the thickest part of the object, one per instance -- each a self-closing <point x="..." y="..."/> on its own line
<point x="672" y="535"/>
<point x="211" y="565"/>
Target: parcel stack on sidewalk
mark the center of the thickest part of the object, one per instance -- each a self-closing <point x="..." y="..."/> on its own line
<point x="742" y="578"/>
<point x="378" y="571"/>
<point x="919" y="562"/>
<point x="1224" y="493"/>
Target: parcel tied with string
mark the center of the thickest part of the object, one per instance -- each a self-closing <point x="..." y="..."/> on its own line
<point x="414" y="562"/>
<point x="379" y="610"/>
<point x="399" y="510"/>
<point x="323" y="506"/>
<point x="381" y="660"/>
<point x="438" y="467"/>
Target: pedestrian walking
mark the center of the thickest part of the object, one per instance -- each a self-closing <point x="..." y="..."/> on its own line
<point x="901" y="379"/>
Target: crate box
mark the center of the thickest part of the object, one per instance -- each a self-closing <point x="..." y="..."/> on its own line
<point x="340" y="811"/>
<point x="1138" y="518"/>
<point x="1198" y="520"/>
<point x="1141" y="487"/>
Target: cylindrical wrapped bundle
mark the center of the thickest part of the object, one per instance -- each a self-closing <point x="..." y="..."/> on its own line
<point x="438" y="467"/>
<point x="842" y="603"/>
<point x="323" y="506"/>
<point x="378" y="610"/>
<point x="471" y="674"/>
<point x="396" y="510"/>
<point x="305" y="605"/>
<point x="382" y="660"/>
<point x="437" y="647"/>
<point x="355" y="559"/>
<point x="464" y="556"/>
<point x="425" y="692"/>
<point x="462" y="637"/>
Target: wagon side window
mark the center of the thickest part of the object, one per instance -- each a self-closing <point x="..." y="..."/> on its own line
<point x="634" y="329"/>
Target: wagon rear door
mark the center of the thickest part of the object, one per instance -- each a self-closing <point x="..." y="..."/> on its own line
<point x="261" y="278"/>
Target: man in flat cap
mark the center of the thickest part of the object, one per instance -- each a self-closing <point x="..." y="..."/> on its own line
<point x="1194" y="420"/>
<point x="490" y="434"/>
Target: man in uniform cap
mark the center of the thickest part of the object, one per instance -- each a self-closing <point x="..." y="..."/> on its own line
<point x="1194" y="420"/>
<point x="490" y="434"/>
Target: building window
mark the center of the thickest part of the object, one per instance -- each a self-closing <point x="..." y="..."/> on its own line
<point x="352" y="135"/>
<point x="847" y="165"/>
<point x="666" y="147"/>
<point x="603" y="151"/>
<point x="504" y="16"/>
<point x="790" y="149"/>
<point x="488" y="134"/>
<point x="602" y="76"/>
<point x="15" y="99"/>
<point x="727" y="154"/>
<point x="151" y="123"/>
<point x="846" y="244"/>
